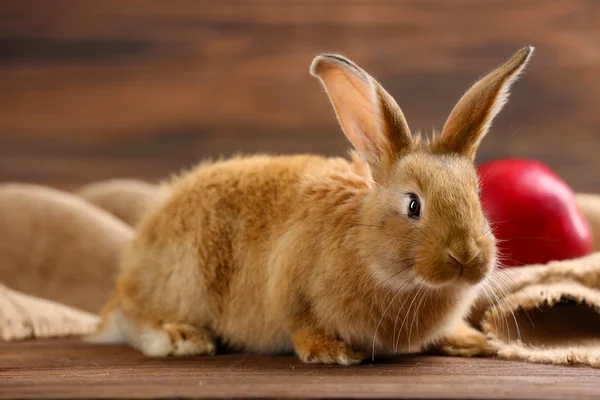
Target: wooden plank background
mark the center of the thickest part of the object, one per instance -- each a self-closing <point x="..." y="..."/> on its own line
<point x="98" y="89"/>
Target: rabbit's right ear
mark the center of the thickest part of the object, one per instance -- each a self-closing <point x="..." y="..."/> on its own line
<point x="472" y="116"/>
<point x="369" y="116"/>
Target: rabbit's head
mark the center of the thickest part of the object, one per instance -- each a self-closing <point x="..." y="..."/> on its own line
<point x="423" y="218"/>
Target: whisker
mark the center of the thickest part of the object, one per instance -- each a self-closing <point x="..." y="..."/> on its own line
<point x="405" y="269"/>
<point x="510" y="308"/>
<point x="400" y="309"/>
<point x="544" y="240"/>
<point x="385" y="312"/>
<point x="498" y="302"/>
<point x="533" y="238"/>
<point x="499" y="222"/>
<point x="498" y="319"/>
<point x="421" y="286"/>
<point x="492" y="307"/>
<point x="379" y="323"/>
<point x="503" y="289"/>
<point x="503" y="259"/>
<point x="496" y="275"/>
<point x="415" y="316"/>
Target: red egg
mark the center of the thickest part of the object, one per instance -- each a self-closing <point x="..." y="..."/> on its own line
<point x="533" y="212"/>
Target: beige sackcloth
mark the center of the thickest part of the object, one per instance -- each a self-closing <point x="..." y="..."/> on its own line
<point x="59" y="253"/>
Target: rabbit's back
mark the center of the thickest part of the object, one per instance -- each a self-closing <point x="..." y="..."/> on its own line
<point x="204" y="252"/>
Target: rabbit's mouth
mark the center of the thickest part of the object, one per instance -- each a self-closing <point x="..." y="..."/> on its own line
<point x="408" y="273"/>
<point x="453" y="271"/>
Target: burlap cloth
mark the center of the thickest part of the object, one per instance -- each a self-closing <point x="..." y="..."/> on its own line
<point x="59" y="252"/>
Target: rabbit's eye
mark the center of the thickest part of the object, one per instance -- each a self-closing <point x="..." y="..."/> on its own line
<point x="414" y="207"/>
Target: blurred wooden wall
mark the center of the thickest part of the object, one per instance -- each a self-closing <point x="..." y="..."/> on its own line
<point x="126" y="88"/>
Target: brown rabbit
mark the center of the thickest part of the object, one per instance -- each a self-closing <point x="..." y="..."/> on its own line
<point x="321" y="256"/>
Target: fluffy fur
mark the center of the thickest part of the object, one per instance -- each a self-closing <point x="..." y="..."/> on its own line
<point x="315" y="255"/>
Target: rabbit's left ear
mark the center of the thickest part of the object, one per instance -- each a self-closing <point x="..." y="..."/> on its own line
<point x="472" y="116"/>
<point x="368" y="115"/>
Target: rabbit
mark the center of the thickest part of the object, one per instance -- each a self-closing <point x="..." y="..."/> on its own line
<point x="329" y="258"/>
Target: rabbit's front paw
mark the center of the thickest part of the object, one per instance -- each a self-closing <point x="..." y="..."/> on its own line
<point x="466" y="341"/>
<point x="313" y="347"/>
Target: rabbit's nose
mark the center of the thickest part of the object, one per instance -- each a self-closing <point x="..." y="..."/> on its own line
<point x="464" y="258"/>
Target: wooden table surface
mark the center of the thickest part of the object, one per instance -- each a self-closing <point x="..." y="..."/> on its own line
<point x="70" y="369"/>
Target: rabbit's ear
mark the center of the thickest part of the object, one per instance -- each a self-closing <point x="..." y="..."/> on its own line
<point x="472" y="116"/>
<point x="369" y="116"/>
